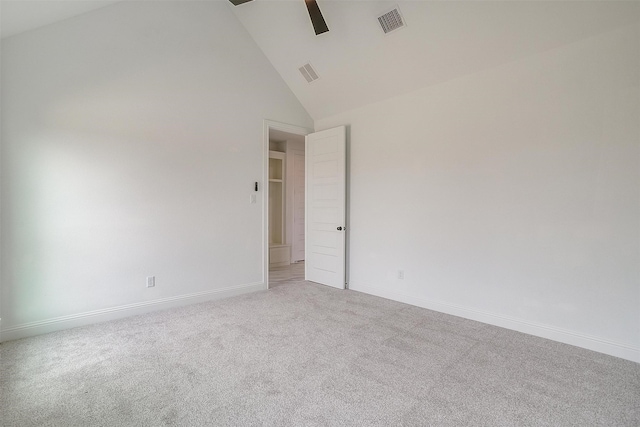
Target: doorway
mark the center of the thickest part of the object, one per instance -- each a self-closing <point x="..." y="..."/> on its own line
<point x="284" y="175"/>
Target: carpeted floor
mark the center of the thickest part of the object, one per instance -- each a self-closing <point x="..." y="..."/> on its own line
<point x="303" y="354"/>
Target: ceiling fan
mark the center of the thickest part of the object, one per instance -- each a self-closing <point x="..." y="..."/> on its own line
<point x="317" y="20"/>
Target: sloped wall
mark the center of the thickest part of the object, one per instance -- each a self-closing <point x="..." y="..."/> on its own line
<point x="131" y="138"/>
<point x="510" y="196"/>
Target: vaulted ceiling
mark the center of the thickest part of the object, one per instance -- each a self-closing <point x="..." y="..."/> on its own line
<point x="18" y="16"/>
<point x="358" y="64"/>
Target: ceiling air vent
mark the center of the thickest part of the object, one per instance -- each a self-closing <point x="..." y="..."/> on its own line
<point x="308" y="73"/>
<point x="391" y="20"/>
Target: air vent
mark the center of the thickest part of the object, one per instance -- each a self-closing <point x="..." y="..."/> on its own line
<point x="391" y="20"/>
<point x="308" y="73"/>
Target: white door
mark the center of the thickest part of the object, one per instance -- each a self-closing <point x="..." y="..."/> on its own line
<point x="325" y="208"/>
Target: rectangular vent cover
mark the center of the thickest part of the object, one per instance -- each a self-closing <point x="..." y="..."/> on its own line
<point x="391" y="20"/>
<point x="308" y="73"/>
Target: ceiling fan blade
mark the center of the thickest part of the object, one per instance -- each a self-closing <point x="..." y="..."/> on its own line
<point x="237" y="2"/>
<point x="316" y="17"/>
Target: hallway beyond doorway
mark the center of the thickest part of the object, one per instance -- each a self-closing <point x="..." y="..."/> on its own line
<point x="283" y="275"/>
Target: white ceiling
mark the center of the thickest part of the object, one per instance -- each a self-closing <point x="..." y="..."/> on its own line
<point x="18" y="16"/>
<point x="443" y="40"/>
<point x="357" y="63"/>
<point x="278" y="135"/>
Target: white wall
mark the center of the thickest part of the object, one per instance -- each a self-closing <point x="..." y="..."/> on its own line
<point x="295" y="147"/>
<point x="131" y="138"/>
<point x="510" y="196"/>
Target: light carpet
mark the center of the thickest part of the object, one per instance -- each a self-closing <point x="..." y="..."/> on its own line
<point x="303" y="354"/>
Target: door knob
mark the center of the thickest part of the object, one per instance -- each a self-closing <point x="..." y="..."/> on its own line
<point x="339" y="228"/>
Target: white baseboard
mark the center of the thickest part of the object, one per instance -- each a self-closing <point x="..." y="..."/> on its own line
<point x="81" y="319"/>
<point x="544" y="331"/>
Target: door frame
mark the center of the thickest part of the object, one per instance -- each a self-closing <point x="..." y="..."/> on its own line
<point x="267" y="126"/>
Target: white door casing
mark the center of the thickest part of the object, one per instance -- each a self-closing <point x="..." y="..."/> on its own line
<point x="325" y="213"/>
<point x="263" y="186"/>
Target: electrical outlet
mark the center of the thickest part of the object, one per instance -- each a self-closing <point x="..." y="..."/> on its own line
<point x="151" y="281"/>
<point x="401" y="274"/>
